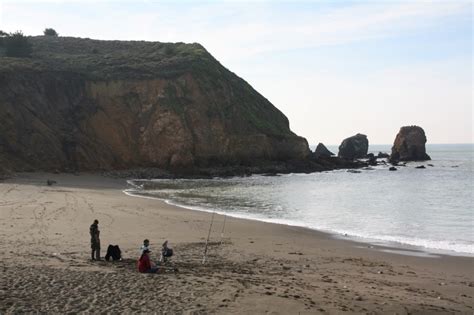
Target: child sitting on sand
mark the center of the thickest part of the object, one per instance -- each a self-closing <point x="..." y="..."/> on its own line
<point x="146" y="245"/>
<point x="145" y="265"/>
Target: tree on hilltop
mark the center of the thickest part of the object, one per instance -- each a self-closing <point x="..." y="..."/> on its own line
<point x="50" y="32"/>
<point x="2" y="36"/>
<point x="17" y="45"/>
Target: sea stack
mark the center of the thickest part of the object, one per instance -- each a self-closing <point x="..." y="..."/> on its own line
<point x="409" y="145"/>
<point x="322" y="152"/>
<point x="354" y="147"/>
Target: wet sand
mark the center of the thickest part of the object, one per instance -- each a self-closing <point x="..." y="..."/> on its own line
<point x="258" y="268"/>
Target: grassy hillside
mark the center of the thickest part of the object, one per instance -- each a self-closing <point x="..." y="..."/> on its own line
<point x="100" y="60"/>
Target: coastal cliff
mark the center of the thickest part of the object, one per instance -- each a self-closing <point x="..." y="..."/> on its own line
<point x="81" y="104"/>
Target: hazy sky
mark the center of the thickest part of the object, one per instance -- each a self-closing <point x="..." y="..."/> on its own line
<point x="334" y="68"/>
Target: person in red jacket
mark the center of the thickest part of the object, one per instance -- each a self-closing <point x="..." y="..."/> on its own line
<point x="145" y="264"/>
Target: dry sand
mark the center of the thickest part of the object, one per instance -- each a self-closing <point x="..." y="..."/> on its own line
<point x="259" y="268"/>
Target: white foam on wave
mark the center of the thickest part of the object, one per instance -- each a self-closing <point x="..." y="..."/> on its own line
<point x="426" y="244"/>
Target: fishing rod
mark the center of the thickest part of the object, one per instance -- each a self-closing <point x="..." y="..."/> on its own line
<point x="223" y="227"/>
<point x="207" y="241"/>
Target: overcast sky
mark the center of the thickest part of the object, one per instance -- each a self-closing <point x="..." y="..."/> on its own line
<point x="335" y="68"/>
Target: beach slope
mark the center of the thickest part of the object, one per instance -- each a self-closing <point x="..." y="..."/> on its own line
<point x="258" y="268"/>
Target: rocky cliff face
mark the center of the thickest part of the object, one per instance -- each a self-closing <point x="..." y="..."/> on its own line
<point x="409" y="145"/>
<point x="91" y="105"/>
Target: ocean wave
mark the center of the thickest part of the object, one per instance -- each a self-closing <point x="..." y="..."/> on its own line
<point x="428" y="245"/>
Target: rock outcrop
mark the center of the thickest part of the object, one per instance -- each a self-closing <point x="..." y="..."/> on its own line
<point x="371" y="159"/>
<point x="322" y="152"/>
<point x="354" y="147"/>
<point x="81" y="104"/>
<point x="409" y="145"/>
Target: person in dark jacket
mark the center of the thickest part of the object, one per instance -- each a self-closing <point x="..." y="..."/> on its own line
<point x="144" y="264"/>
<point x="95" y="240"/>
<point x="166" y="252"/>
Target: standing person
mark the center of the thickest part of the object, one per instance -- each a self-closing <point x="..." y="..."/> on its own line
<point x="95" y="240"/>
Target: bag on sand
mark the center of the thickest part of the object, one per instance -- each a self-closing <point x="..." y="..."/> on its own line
<point x="114" y="252"/>
<point x="167" y="252"/>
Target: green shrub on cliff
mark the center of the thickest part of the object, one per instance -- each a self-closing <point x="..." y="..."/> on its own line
<point x="17" y="45"/>
<point x="50" y="32"/>
<point x="2" y="37"/>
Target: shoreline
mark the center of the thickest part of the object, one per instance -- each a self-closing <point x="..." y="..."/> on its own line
<point x="394" y="246"/>
<point x="259" y="268"/>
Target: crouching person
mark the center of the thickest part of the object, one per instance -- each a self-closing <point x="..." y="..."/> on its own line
<point x="166" y="252"/>
<point x="144" y="263"/>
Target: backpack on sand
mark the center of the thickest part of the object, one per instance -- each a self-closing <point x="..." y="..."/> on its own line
<point x="114" y="252"/>
<point x="167" y="252"/>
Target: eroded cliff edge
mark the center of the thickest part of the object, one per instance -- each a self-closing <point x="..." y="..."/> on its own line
<point x="89" y="105"/>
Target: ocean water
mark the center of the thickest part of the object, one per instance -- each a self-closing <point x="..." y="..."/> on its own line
<point x="429" y="209"/>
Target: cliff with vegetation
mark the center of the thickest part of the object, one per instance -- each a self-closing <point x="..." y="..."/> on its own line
<point x="88" y="105"/>
<point x="81" y="104"/>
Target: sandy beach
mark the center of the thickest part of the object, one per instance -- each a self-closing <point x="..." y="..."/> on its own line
<point x="259" y="268"/>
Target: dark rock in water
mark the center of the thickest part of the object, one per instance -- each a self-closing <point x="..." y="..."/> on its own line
<point x="353" y="171"/>
<point x="430" y="165"/>
<point x="409" y="145"/>
<point x="392" y="168"/>
<point x="50" y="182"/>
<point x="372" y="159"/>
<point x="421" y="166"/>
<point x="354" y="147"/>
<point x="271" y="174"/>
<point x="322" y="151"/>
<point x="383" y="155"/>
